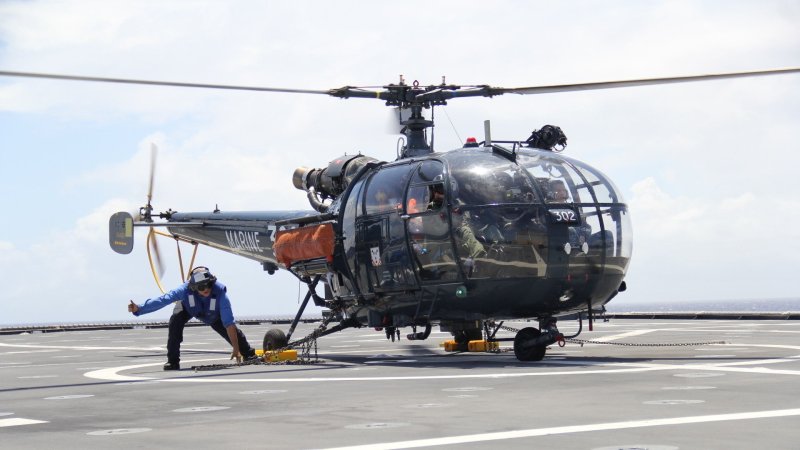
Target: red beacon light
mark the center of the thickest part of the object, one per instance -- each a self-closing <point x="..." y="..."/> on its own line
<point x="471" y="142"/>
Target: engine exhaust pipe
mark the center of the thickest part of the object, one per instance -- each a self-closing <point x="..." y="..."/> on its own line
<point x="421" y="336"/>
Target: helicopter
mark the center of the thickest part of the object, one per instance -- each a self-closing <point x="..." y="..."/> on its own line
<point x="464" y="239"/>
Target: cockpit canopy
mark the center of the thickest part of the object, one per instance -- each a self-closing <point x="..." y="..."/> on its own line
<point x="480" y="177"/>
<point x="478" y="213"/>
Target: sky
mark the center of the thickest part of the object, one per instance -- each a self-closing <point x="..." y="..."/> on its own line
<point x="708" y="169"/>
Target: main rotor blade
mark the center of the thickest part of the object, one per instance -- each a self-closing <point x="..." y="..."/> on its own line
<point x="159" y="83"/>
<point x="639" y="82"/>
<point x="475" y="91"/>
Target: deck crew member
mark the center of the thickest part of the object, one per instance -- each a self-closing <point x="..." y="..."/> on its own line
<point x="206" y="299"/>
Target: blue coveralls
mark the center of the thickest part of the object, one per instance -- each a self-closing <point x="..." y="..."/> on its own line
<point x="214" y="310"/>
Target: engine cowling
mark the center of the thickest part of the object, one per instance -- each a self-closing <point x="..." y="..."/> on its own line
<point x="330" y="182"/>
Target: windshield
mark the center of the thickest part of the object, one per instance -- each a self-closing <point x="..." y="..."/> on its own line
<point x="497" y="219"/>
<point x="538" y="214"/>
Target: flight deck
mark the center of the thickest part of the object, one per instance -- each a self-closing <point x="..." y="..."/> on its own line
<point x="656" y="384"/>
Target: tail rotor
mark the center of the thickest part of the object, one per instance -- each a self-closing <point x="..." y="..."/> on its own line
<point x="146" y="215"/>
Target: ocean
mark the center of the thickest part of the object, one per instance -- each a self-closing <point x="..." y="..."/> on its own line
<point x="760" y="305"/>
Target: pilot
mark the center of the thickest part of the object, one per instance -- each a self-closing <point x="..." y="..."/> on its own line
<point x="205" y="299"/>
<point x="558" y="192"/>
<point x="467" y="242"/>
<point x="436" y="197"/>
<point x="429" y="233"/>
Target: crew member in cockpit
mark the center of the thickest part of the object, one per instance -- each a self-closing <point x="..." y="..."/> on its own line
<point x="558" y="192"/>
<point x="429" y="232"/>
<point x="436" y="197"/>
<point x="466" y="228"/>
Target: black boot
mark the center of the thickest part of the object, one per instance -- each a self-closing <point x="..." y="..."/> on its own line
<point x="172" y="366"/>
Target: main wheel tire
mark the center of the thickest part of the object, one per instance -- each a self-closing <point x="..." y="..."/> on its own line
<point x="525" y="352"/>
<point x="274" y="339"/>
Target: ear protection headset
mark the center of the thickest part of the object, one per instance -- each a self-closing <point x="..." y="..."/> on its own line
<point x="200" y="276"/>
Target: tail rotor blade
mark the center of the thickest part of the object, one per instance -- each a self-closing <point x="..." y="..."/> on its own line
<point x="156" y="266"/>
<point x="157" y="261"/>
<point x="145" y="213"/>
<point x="153" y="155"/>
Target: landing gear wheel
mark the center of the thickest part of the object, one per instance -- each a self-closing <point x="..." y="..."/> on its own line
<point x="274" y="339"/>
<point x="522" y="348"/>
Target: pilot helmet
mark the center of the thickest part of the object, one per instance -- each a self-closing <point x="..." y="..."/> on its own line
<point x="557" y="191"/>
<point x="201" y="278"/>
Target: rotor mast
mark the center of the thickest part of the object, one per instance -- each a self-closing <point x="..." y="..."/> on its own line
<point x="414" y="130"/>
<point x="414" y="98"/>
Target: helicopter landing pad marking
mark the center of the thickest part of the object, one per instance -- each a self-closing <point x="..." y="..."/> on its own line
<point x="426" y="405"/>
<point x="625" y="335"/>
<point x="687" y="388"/>
<point x="503" y="435"/>
<point x="201" y="409"/>
<point x="16" y="421"/>
<point x="111" y="374"/>
<point x="673" y="402"/>
<point x="638" y="447"/>
<point x="118" y="431"/>
<point x="263" y="391"/>
<point x="392" y="361"/>
<point x="699" y="370"/>
<point x="376" y="425"/>
<point x="26" y="352"/>
<point x="69" y="397"/>
<point x="467" y="389"/>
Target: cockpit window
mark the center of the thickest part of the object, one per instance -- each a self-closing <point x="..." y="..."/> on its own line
<point x="427" y="224"/>
<point x="424" y="198"/>
<point x="428" y="171"/>
<point x="426" y="192"/>
<point x="604" y="189"/>
<point x="385" y="190"/>
<point x="557" y="179"/>
<point x="485" y="179"/>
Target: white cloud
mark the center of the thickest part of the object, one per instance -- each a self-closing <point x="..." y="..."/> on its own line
<point x="705" y="248"/>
